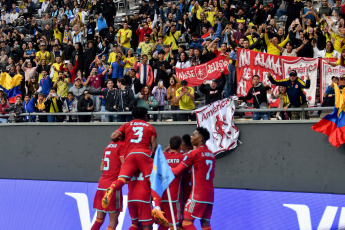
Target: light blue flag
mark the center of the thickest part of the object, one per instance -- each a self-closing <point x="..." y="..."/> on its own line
<point x="161" y="175"/>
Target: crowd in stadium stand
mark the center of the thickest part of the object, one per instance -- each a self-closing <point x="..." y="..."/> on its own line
<point x="79" y="56"/>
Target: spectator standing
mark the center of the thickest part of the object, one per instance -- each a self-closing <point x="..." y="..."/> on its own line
<point x="171" y="94"/>
<point x="124" y="38"/>
<point x="53" y="104"/>
<point x="117" y="67"/>
<point x="145" y="47"/>
<point x="29" y="107"/>
<point x="258" y="92"/>
<point x="3" y="107"/>
<point x="161" y="70"/>
<point x="85" y="104"/>
<point x="185" y="96"/>
<point x="124" y="100"/>
<point x="40" y="107"/>
<point x="16" y="109"/>
<point x="294" y="86"/>
<point x="61" y="84"/>
<point x="213" y="90"/>
<point x="70" y="105"/>
<point x="159" y="92"/>
<point x="144" y="72"/>
<point x="145" y="99"/>
<point x="132" y="81"/>
<point x="45" y="83"/>
<point x="78" y="88"/>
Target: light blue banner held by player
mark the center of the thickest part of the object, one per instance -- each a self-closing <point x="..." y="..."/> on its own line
<point x="161" y="175"/>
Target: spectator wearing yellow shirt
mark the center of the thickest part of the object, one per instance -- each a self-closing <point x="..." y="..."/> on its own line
<point x="340" y="61"/>
<point x="42" y="54"/>
<point x="197" y="9"/>
<point x="61" y="84"/>
<point x="273" y="43"/>
<point x="185" y="96"/>
<point x="124" y="38"/>
<point x="145" y="47"/>
<point x="211" y="15"/>
<point x="112" y="55"/>
<point x="339" y="40"/>
<point x="129" y="61"/>
<point x="56" y="66"/>
<point x="171" y="38"/>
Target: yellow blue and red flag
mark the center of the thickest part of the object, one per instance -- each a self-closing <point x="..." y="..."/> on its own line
<point x="11" y="86"/>
<point x="333" y="125"/>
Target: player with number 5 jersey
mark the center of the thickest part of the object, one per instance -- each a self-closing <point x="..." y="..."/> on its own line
<point x="201" y="161"/>
<point x="110" y="168"/>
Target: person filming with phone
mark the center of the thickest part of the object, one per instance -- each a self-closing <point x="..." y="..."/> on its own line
<point x="185" y="96"/>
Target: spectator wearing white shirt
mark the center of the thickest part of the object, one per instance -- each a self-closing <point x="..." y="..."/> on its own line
<point x="328" y="52"/>
<point x="77" y="34"/>
<point x="5" y="16"/>
<point x="183" y="61"/>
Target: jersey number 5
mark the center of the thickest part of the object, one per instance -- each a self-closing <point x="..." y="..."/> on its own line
<point x="209" y="163"/>
<point x="106" y="159"/>
<point x="139" y="132"/>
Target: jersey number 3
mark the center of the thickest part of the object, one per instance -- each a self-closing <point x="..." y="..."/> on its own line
<point x="138" y="131"/>
<point x="209" y="163"/>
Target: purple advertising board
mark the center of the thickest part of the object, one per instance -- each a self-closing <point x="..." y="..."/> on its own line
<point x="26" y="204"/>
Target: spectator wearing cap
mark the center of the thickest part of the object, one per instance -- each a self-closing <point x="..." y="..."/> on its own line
<point x="85" y="104"/>
<point x="117" y="67"/>
<point x="161" y="69"/>
<point x="213" y="90"/>
<point x="42" y="54"/>
<point x="258" y="92"/>
<point x="124" y="38"/>
<point x="144" y="71"/>
<point x="78" y="88"/>
<point x="3" y="107"/>
<point x="185" y="96"/>
<point x="294" y="88"/>
<point x="145" y="47"/>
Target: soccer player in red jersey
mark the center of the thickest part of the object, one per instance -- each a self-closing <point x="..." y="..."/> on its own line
<point x="110" y="168"/>
<point x="174" y="158"/>
<point x="186" y="147"/>
<point x="139" y="202"/>
<point x="202" y="164"/>
<point x="138" y="136"/>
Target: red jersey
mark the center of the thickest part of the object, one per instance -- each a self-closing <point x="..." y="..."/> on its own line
<point x="139" y="189"/>
<point x="202" y="163"/>
<point x="173" y="159"/>
<point x="111" y="164"/>
<point x="137" y="135"/>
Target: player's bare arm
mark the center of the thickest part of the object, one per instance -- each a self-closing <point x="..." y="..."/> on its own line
<point x="153" y="144"/>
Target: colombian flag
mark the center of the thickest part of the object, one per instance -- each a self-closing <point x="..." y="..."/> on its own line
<point x="11" y="86"/>
<point x="333" y="125"/>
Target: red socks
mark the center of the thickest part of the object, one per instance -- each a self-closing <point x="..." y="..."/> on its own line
<point x="206" y="228"/>
<point x="156" y="198"/>
<point x="98" y="223"/>
<point x="133" y="227"/>
<point x="110" y="228"/>
<point x="186" y="225"/>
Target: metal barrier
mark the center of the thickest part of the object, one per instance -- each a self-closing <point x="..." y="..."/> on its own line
<point x="171" y="112"/>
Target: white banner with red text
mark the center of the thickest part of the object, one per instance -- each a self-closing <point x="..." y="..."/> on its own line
<point x="218" y="119"/>
<point x="251" y="63"/>
<point x="196" y="75"/>
<point x="327" y="72"/>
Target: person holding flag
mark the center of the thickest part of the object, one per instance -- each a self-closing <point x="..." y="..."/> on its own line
<point x="333" y="125"/>
<point x="202" y="163"/>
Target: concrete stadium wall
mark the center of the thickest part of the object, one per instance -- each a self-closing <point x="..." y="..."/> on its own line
<point x="273" y="155"/>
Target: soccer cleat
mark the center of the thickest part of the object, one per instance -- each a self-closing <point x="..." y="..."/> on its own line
<point x="107" y="197"/>
<point x="159" y="216"/>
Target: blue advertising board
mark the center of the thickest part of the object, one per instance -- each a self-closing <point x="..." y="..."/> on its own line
<point x="26" y="204"/>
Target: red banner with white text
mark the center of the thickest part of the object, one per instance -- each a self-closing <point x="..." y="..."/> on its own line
<point x="251" y="63"/>
<point x="196" y="75"/>
<point x="327" y="72"/>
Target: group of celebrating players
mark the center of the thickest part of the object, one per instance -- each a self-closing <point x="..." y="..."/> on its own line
<point x="129" y="159"/>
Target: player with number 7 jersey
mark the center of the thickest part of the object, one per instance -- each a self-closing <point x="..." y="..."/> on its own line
<point x="201" y="161"/>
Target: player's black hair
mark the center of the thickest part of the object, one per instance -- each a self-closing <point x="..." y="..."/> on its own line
<point x="204" y="133"/>
<point x="139" y="113"/>
<point x="175" y="142"/>
<point x="186" y="140"/>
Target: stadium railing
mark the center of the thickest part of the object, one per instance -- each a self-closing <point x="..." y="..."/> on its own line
<point x="237" y="111"/>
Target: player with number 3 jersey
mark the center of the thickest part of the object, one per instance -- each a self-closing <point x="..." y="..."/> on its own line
<point x="110" y="168"/>
<point x="201" y="161"/>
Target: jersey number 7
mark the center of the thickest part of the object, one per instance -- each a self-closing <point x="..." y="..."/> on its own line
<point x="209" y="163"/>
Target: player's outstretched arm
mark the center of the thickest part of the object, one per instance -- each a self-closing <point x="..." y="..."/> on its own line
<point x="179" y="169"/>
<point x="115" y="136"/>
